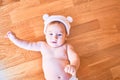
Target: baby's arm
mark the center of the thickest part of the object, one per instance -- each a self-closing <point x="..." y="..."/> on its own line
<point x="74" y="61"/>
<point x="34" y="46"/>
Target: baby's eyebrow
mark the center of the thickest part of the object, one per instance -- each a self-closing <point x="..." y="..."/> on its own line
<point x="49" y="31"/>
<point x="61" y="31"/>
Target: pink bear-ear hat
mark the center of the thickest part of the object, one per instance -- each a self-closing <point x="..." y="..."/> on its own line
<point x="65" y="20"/>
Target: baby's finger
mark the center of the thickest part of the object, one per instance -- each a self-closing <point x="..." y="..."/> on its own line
<point x="70" y="69"/>
<point x="73" y="73"/>
<point x="67" y="68"/>
<point x="9" y="32"/>
<point x="6" y="36"/>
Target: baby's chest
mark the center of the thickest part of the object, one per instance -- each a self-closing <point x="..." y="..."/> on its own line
<point x="58" y="53"/>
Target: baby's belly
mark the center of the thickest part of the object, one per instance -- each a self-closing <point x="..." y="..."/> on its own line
<point x="54" y="69"/>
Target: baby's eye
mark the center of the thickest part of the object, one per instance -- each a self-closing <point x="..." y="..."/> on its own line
<point x="59" y="34"/>
<point x="51" y="34"/>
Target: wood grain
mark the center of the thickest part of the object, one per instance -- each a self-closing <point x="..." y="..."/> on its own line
<point x="95" y="35"/>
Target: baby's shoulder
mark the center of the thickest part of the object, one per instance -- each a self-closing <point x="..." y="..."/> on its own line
<point x="68" y="45"/>
<point x="42" y="42"/>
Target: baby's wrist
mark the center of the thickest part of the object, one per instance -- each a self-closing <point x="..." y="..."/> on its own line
<point x="12" y="38"/>
<point x="74" y="67"/>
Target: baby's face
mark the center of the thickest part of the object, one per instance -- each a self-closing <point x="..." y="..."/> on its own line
<point x="55" y="35"/>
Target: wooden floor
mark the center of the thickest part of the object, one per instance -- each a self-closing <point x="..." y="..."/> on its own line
<point x="95" y="34"/>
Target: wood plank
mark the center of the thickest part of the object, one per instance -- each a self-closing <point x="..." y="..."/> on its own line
<point x="23" y="14"/>
<point x="94" y="35"/>
<point x="116" y="72"/>
<point x="27" y="3"/>
<point x="24" y="70"/>
<point x="5" y="2"/>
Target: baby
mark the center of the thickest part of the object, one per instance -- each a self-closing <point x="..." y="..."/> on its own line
<point x="59" y="60"/>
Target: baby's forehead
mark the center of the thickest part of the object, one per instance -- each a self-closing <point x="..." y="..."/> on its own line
<point x="56" y="22"/>
<point x="57" y="25"/>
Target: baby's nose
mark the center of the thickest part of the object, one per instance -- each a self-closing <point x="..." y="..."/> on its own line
<point x="55" y="36"/>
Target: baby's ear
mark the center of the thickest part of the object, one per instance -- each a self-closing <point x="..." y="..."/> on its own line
<point x="45" y="16"/>
<point x="69" y="19"/>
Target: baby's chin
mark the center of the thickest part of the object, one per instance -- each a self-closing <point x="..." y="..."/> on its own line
<point x="55" y="45"/>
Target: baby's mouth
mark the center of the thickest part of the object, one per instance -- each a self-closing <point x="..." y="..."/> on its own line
<point x="54" y="42"/>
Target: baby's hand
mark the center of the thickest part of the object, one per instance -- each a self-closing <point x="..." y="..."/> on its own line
<point x="10" y="35"/>
<point x="70" y="69"/>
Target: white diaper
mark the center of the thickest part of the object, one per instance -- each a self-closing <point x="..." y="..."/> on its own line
<point x="73" y="78"/>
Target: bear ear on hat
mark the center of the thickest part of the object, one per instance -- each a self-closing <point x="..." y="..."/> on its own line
<point x="45" y="17"/>
<point x="69" y="19"/>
